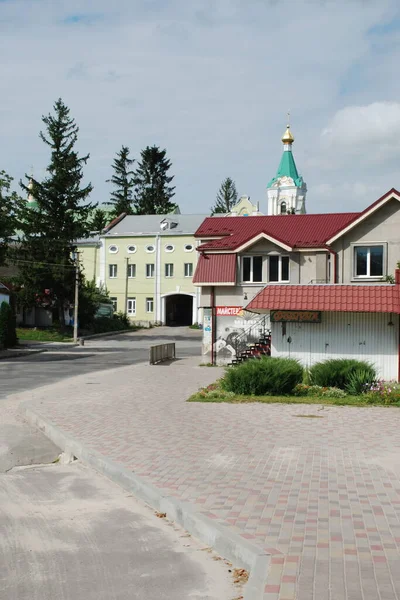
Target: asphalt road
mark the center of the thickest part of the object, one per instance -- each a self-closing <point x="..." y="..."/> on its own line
<point x="68" y="533"/>
<point x="63" y="360"/>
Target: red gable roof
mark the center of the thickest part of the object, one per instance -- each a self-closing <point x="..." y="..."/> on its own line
<point x="296" y="231"/>
<point x="216" y="268"/>
<point x="336" y="298"/>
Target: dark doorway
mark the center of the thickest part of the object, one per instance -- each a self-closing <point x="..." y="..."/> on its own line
<point x="178" y="310"/>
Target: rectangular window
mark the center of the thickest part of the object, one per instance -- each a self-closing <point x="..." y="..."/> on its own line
<point x="131" y="307"/>
<point x="368" y="261"/>
<point x="131" y="271"/>
<point x="112" y="271"/>
<point x="252" y="269"/>
<point x="149" y="305"/>
<point x="114" y="303"/>
<point x="169" y="270"/>
<point x="150" y="270"/>
<point x="188" y="269"/>
<point x="278" y="268"/>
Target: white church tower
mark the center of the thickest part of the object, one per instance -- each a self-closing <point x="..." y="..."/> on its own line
<point x="287" y="190"/>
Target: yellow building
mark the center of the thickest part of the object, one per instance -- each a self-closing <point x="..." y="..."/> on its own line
<point x="147" y="262"/>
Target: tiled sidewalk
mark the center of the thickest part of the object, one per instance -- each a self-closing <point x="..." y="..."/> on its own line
<point x="321" y="495"/>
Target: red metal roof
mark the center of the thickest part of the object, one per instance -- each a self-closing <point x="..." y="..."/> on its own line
<point x="216" y="268"/>
<point x="336" y="298"/>
<point x="296" y="231"/>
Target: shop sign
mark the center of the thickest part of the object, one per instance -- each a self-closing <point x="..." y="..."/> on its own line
<point x="228" y="311"/>
<point x="296" y="316"/>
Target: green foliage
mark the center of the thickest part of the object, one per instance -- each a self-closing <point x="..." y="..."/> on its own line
<point x="265" y="376"/>
<point x="10" y="204"/>
<point x="153" y="192"/>
<point x="226" y="198"/>
<point x="105" y="324"/>
<point x="358" y="380"/>
<point x="318" y="391"/>
<point x="337" y="372"/>
<point x="90" y="298"/>
<point x="99" y="219"/>
<point x="50" y="334"/>
<point x="123" y="182"/>
<point x="387" y="392"/>
<point x="58" y="216"/>
<point x="8" y="335"/>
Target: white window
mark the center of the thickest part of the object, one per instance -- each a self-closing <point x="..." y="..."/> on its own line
<point x="188" y="269"/>
<point x="278" y="268"/>
<point x="113" y="249"/>
<point x="169" y="248"/>
<point x="188" y="247"/>
<point x="169" y="270"/>
<point x="112" y="271"/>
<point x="252" y="267"/>
<point x="114" y="303"/>
<point x="149" y="305"/>
<point x="368" y="261"/>
<point x="150" y="270"/>
<point x="131" y="307"/>
<point x="150" y="248"/>
<point x="131" y="249"/>
<point x="131" y="271"/>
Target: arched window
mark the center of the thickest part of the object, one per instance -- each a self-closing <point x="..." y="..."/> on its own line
<point x="283" y="208"/>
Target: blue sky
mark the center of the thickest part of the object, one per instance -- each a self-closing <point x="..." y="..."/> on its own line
<point x="211" y="81"/>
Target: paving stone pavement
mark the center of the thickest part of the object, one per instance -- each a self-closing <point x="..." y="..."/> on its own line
<point x="321" y="495"/>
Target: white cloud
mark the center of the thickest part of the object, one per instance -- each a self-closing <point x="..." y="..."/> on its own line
<point x="210" y="80"/>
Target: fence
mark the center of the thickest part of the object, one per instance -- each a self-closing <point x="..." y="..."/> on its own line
<point x="161" y="353"/>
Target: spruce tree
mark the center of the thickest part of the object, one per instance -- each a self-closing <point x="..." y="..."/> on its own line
<point x="99" y="219"/>
<point x="60" y="216"/>
<point x="226" y="198"/>
<point x="122" y="179"/>
<point x="10" y="203"/>
<point x="153" y="192"/>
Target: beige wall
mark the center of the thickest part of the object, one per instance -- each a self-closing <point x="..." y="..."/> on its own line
<point x="382" y="226"/>
<point x="89" y="259"/>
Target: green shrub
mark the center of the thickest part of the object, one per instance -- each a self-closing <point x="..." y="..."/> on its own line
<point x="268" y="375"/>
<point x="303" y="389"/>
<point x="337" y="372"/>
<point x="358" y="381"/>
<point x="8" y="334"/>
<point x="119" y="322"/>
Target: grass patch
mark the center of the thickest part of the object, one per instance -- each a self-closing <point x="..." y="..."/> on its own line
<point x="42" y="335"/>
<point x="216" y="394"/>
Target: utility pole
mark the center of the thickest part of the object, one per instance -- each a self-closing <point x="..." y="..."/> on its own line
<point x="126" y="287"/>
<point x="76" y="304"/>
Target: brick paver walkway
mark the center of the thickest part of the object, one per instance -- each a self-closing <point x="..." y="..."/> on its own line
<point x="321" y="495"/>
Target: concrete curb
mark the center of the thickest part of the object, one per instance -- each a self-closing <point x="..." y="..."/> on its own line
<point x="6" y="354"/>
<point x="94" y="336"/>
<point x="228" y="544"/>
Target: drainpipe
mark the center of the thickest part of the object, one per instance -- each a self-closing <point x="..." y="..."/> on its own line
<point x="213" y="326"/>
<point x="397" y="283"/>
<point x="333" y="254"/>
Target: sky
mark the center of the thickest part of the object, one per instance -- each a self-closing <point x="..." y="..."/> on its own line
<point x="210" y="81"/>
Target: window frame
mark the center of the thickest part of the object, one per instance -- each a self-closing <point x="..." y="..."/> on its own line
<point x="188" y="247"/>
<point x="128" y="267"/>
<point x="150" y="248"/>
<point x="369" y="245"/>
<point x="148" y="300"/>
<point x="152" y="270"/>
<point x="109" y="271"/>
<point x="115" y="250"/>
<point x="280" y="257"/>
<point x="251" y="280"/>
<point x="131" y="313"/>
<point x="129" y="248"/>
<point x="191" y="269"/>
<point x="165" y="270"/>
<point x="169" y="248"/>
<point x="114" y="301"/>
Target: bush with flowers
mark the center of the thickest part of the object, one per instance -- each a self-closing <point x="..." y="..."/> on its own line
<point x="386" y="392"/>
<point x="214" y="392"/>
<point x="318" y="391"/>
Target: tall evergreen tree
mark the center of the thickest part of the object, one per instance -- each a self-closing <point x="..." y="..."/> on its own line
<point x="60" y="216"/>
<point x="10" y="203"/>
<point x="226" y="198"/>
<point x="153" y="192"/>
<point x="122" y="179"/>
<point x="99" y="219"/>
